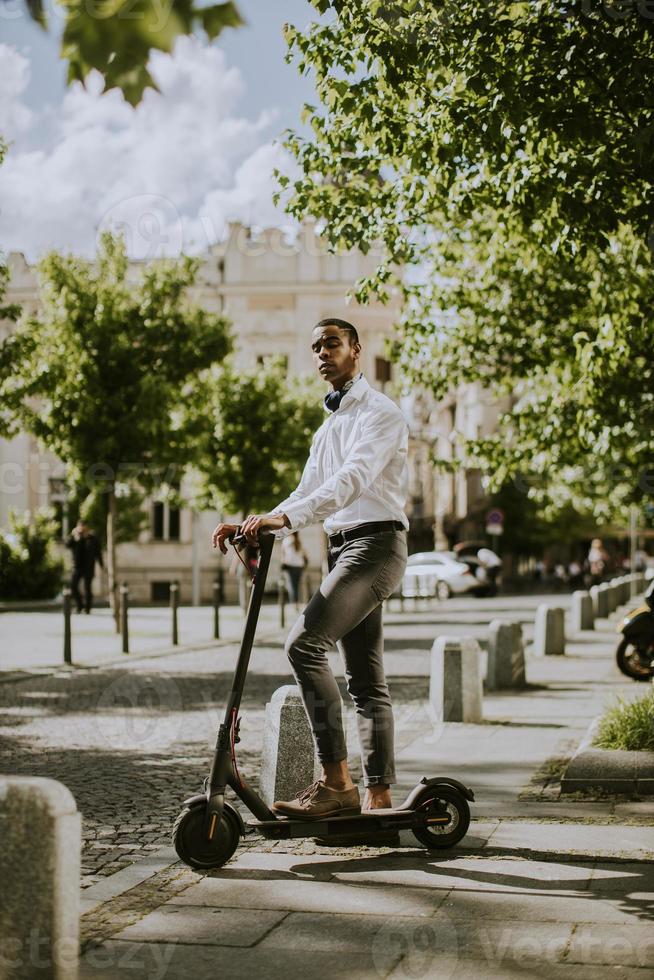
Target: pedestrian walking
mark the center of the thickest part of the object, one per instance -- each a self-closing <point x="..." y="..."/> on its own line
<point x="294" y="561"/>
<point x="86" y="551"/>
<point x="597" y="560"/>
<point x="355" y="481"/>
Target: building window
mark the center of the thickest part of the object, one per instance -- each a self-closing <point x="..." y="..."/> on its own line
<point x="165" y="521"/>
<point x="382" y="370"/>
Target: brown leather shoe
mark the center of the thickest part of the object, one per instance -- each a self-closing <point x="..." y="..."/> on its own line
<point x="318" y="801"/>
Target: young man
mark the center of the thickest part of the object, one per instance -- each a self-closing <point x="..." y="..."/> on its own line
<point x="356" y="482"/>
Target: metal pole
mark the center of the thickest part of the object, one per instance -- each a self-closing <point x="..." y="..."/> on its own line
<point x="633" y="547"/>
<point x="195" y="559"/>
<point x="281" y="599"/>
<point x="216" y="609"/>
<point x="68" y="657"/>
<point x="124" y="606"/>
<point x="174" y="600"/>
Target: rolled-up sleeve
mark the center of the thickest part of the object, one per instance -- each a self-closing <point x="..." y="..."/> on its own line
<point x="381" y="438"/>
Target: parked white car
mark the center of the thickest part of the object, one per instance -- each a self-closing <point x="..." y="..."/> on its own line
<point x="437" y="573"/>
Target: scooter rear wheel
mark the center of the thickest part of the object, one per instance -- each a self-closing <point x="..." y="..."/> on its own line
<point x="192" y="846"/>
<point x="439" y="800"/>
<point x="633" y="663"/>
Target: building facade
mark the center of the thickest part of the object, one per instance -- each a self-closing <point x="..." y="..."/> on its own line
<point x="273" y="291"/>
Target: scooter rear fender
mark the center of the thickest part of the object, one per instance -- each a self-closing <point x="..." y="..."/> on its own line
<point x="425" y="783"/>
<point x="638" y="624"/>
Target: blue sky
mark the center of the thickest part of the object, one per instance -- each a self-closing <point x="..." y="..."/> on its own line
<point x="196" y="156"/>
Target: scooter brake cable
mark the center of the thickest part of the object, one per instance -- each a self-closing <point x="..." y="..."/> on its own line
<point x="252" y="575"/>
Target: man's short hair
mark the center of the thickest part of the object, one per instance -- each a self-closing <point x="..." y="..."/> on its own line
<point x="333" y="321"/>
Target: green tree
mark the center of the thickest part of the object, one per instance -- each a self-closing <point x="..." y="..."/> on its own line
<point x="499" y="159"/>
<point x="432" y="109"/>
<point x="28" y="567"/>
<point x="98" y="375"/>
<point x="252" y="431"/>
<point x="115" y="37"/>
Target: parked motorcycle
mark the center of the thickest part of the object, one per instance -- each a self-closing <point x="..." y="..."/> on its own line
<point x="635" y="653"/>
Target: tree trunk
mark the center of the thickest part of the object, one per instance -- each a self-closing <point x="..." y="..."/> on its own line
<point x="112" y="513"/>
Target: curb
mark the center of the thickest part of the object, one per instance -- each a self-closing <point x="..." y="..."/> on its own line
<point x="608" y="770"/>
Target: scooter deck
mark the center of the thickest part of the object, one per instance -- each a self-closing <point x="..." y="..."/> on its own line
<point x="370" y="822"/>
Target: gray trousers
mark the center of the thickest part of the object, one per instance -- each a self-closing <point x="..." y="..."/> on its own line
<point x="347" y="610"/>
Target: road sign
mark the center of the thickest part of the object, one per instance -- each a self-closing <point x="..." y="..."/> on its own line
<point x="495" y="521"/>
<point x="495" y="516"/>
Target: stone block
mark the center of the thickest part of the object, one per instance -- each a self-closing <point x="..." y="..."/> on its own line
<point x="613" y="593"/>
<point x="549" y="631"/>
<point x="593" y="592"/>
<point x="455" y="687"/>
<point x="289" y="762"/>
<point x="40" y="875"/>
<point x="603" y="605"/>
<point x="581" y="615"/>
<point x="506" y="656"/>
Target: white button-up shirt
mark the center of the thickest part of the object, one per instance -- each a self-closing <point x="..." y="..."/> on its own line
<point x="357" y="468"/>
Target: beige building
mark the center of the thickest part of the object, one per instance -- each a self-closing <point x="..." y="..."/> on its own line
<point x="273" y="291"/>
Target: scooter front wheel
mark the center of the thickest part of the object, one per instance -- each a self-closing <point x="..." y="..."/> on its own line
<point x="437" y="802"/>
<point x="632" y="662"/>
<point x="190" y="840"/>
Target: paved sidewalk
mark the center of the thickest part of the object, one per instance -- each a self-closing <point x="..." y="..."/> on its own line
<point x="540" y="887"/>
<point x="34" y="640"/>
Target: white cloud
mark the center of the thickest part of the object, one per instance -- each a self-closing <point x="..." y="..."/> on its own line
<point x="15" y="117"/>
<point x="169" y="172"/>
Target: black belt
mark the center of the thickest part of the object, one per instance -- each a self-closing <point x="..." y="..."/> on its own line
<point x="363" y="531"/>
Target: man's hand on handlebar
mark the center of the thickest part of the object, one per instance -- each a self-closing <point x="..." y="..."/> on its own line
<point x="255" y="523"/>
<point x="222" y="534"/>
<point x="250" y="529"/>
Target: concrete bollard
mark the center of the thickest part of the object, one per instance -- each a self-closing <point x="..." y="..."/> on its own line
<point x="39" y="870"/>
<point x="610" y="596"/>
<point x="289" y="761"/>
<point x="549" y="631"/>
<point x="602" y="601"/>
<point x="455" y="687"/>
<point x="506" y="656"/>
<point x="582" y="617"/>
<point x="593" y="592"/>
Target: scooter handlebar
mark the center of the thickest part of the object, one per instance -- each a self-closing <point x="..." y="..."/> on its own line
<point x="237" y="538"/>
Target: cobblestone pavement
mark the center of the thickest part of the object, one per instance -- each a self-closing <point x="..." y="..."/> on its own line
<point x="130" y="745"/>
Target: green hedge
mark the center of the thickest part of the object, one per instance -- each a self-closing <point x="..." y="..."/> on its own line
<point x="628" y="725"/>
<point x="28" y="567"/>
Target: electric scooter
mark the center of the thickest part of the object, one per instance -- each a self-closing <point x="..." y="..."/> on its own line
<point x="208" y="829"/>
<point x="635" y="653"/>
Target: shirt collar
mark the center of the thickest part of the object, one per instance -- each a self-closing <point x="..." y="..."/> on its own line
<point x="357" y="390"/>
